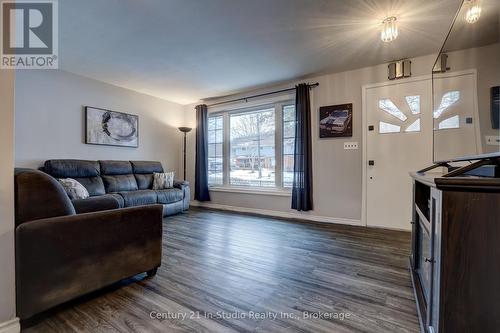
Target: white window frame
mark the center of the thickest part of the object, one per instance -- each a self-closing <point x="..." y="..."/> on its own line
<point x="278" y="190"/>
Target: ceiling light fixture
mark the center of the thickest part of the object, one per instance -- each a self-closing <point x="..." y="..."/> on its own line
<point x="473" y="11"/>
<point x="389" y="30"/>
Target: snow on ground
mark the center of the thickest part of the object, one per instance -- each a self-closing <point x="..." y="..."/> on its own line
<point x="242" y="177"/>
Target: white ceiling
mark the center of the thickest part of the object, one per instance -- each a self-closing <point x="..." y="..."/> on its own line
<point x="186" y="50"/>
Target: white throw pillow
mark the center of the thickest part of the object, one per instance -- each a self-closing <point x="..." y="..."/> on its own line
<point x="74" y="189"/>
<point x="163" y="180"/>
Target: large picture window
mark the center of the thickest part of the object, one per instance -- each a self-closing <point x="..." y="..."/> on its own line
<point x="252" y="148"/>
<point x="252" y="161"/>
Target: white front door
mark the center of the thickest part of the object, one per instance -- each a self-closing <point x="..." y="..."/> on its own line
<point x="399" y="140"/>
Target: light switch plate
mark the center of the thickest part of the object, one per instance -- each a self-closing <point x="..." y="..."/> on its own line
<point x="493" y="140"/>
<point x="350" y="145"/>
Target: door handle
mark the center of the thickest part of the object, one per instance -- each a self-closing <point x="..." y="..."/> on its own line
<point x="429" y="260"/>
<point x="371" y="162"/>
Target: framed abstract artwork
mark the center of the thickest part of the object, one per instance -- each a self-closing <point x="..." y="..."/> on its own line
<point x="111" y="128"/>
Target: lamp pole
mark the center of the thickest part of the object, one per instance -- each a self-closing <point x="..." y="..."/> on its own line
<point x="185" y="130"/>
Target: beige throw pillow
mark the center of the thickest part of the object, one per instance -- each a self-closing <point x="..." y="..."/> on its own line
<point x="74" y="189"/>
<point x="163" y="180"/>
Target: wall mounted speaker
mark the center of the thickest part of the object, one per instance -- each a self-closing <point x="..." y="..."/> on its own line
<point x="441" y="64"/>
<point x="392" y="71"/>
<point x="406" y="68"/>
<point x="399" y="69"/>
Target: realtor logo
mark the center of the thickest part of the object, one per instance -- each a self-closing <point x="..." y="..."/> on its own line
<point x="29" y="37"/>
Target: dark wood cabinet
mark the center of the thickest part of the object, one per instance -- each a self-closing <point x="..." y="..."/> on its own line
<point x="455" y="258"/>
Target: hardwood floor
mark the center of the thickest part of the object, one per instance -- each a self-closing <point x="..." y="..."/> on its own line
<point x="219" y="267"/>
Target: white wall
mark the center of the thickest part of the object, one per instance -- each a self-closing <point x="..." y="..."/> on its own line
<point x="7" y="275"/>
<point x="337" y="173"/>
<point x="50" y="120"/>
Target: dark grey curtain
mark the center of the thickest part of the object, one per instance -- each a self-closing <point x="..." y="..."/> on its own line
<point x="201" y="166"/>
<point x="302" y="169"/>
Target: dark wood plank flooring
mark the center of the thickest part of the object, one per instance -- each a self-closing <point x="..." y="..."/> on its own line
<point x="219" y="267"/>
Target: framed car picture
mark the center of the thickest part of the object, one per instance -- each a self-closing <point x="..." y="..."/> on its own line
<point x="111" y="128"/>
<point x="335" y="121"/>
<point x="495" y="107"/>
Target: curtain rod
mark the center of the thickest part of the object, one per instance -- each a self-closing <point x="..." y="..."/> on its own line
<point x="260" y="95"/>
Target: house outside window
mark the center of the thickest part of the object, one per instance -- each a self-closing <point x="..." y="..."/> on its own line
<point x="252" y="148"/>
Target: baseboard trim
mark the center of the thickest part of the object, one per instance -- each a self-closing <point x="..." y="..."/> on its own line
<point x="10" y="326"/>
<point x="275" y="213"/>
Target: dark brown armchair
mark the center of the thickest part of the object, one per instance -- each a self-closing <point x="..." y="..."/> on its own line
<point x="61" y="255"/>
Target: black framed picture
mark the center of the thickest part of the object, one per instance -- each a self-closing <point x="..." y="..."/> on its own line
<point x="495" y="107"/>
<point x="335" y="121"/>
<point x="111" y="128"/>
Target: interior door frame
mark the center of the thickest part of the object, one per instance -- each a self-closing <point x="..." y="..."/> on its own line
<point x="364" y="132"/>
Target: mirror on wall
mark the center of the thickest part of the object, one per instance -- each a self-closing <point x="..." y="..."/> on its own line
<point x="466" y="80"/>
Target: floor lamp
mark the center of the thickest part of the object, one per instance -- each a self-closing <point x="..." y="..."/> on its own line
<point x="185" y="130"/>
